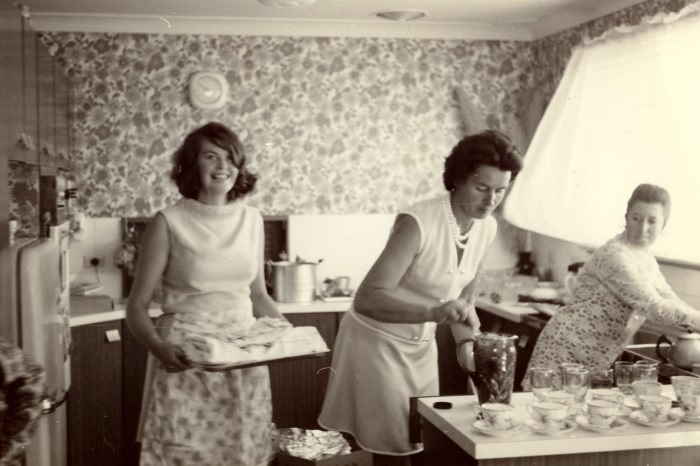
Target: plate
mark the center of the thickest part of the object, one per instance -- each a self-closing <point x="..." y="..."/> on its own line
<point x="641" y="418"/>
<point x="484" y="428"/>
<point x="618" y="424"/>
<point x="569" y="425"/>
<point x="337" y="299"/>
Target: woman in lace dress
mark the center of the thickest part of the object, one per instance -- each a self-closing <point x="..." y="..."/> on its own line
<point x="385" y="351"/>
<point x="619" y="287"/>
<point x="206" y="252"/>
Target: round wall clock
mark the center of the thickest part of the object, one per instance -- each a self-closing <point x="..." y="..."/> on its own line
<point x="208" y="90"/>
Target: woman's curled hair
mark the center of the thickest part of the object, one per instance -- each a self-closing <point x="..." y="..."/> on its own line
<point x="186" y="174"/>
<point x="489" y="147"/>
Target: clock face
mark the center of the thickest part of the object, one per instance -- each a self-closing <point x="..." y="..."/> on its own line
<point x="208" y="90"/>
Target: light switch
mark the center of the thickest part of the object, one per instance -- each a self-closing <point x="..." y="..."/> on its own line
<point x="113" y="335"/>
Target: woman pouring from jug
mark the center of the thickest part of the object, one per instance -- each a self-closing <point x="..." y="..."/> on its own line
<point x="385" y="352"/>
<point x="619" y="287"/>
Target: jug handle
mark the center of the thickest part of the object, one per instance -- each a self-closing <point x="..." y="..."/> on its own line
<point x="464" y="365"/>
<point x="663" y="339"/>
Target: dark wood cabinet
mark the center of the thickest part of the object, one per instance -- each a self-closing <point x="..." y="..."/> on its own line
<point x="95" y="397"/>
<point x="298" y="386"/>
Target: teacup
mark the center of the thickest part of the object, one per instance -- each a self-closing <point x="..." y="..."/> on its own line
<point x="687" y="390"/>
<point x="549" y="414"/>
<point x="645" y="387"/>
<point x="607" y="394"/>
<point x="655" y="407"/>
<point x="602" y="413"/>
<point x="498" y="416"/>
<point x="563" y="397"/>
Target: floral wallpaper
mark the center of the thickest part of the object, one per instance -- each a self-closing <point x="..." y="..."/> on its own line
<point x="24" y="198"/>
<point x="331" y="125"/>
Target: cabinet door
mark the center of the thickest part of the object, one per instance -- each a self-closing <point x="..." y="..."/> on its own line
<point x="135" y="356"/>
<point x="30" y="123"/>
<point x="298" y="386"/>
<point x="95" y="397"/>
<point x="61" y="85"/>
<point x="11" y="81"/>
<point x="46" y="105"/>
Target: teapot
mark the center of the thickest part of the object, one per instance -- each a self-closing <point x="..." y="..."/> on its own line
<point x="684" y="353"/>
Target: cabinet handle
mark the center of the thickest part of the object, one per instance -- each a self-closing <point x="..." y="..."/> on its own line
<point x="52" y="401"/>
<point x="113" y="335"/>
<point x="48" y="150"/>
<point x="25" y="141"/>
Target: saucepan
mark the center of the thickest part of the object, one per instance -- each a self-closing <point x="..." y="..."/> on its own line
<point x="293" y="281"/>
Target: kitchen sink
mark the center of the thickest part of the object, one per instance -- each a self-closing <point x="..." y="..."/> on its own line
<point x="647" y="351"/>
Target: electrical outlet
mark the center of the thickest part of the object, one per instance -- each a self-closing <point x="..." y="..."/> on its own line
<point x="93" y="261"/>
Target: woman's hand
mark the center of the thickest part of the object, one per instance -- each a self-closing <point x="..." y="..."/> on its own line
<point x="172" y="356"/>
<point x="453" y="311"/>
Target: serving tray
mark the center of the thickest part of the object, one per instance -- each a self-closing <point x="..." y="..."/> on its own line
<point x="228" y="367"/>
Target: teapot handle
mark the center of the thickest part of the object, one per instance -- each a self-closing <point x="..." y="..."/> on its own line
<point x="663" y="339"/>
<point x="465" y="364"/>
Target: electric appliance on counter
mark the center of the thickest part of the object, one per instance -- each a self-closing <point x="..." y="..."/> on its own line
<point x="42" y="329"/>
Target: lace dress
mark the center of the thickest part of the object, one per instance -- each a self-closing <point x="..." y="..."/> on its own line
<point x="207" y="418"/>
<point x="619" y="287"/>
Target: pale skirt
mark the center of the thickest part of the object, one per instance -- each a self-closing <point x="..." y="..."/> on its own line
<point x="374" y="374"/>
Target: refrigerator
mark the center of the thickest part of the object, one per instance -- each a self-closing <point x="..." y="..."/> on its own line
<point x="42" y="329"/>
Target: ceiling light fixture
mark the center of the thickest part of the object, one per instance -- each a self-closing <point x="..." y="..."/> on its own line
<point x="285" y="3"/>
<point x="401" y="15"/>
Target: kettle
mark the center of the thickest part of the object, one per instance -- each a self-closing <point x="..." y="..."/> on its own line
<point x="571" y="276"/>
<point x="684" y="353"/>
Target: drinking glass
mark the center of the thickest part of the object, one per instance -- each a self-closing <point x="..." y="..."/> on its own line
<point x="567" y="365"/>
<point x="541" y="381"/>
<point x="624" y="376"/>
<point x="576" y="381"/>
<point x="646" y="371"/>
<point x="602" y="377"/>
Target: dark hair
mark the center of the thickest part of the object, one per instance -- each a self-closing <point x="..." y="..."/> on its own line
<point x="651" y="194"/>
<point x="186" y="174"/>
<point x="490" y="147"/>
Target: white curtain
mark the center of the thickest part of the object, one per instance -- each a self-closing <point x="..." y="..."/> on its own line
<point x="625" y="113"/>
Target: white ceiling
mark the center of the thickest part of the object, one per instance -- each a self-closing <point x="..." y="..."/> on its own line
<point x="445" y="19"/>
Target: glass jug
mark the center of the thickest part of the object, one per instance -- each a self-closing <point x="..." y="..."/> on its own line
<point x="493" y="362"/>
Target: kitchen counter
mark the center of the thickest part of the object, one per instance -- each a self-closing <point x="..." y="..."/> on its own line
<point x="118" y="312"/>
<point x="512" y="311"/>
<point x="450" y="438"/>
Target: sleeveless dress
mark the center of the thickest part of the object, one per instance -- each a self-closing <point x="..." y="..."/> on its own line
<point x="378" y="366"/>
<point x="196" y="417"/>
<point x="619" y="287"/>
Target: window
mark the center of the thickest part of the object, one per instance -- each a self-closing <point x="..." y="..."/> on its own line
<point x="625" y="113"/>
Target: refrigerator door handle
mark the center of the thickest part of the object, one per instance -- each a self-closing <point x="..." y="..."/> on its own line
<point x="52" y="401"/>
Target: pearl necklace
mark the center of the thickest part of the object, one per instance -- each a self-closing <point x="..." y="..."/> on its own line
<point x="460" y="238"/>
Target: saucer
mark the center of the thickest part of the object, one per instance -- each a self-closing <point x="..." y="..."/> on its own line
<point x="632" y="403"/>
<point x="694" y="419"/>
<point x="641" y="418"/>
<point x="484" y="428"/>
<point x="617" y="424"/>
<point x="569" y="425"/>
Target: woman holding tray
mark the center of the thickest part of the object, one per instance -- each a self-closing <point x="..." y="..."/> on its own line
<point x="207" y="252"/>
